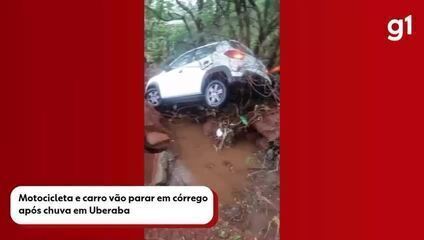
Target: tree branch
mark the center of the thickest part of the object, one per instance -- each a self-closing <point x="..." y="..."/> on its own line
<point x="158" y="15"/>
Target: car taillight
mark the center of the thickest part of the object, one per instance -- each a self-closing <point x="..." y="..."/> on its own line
<point x="234" y="54"/>
<point x="274" y="69"/>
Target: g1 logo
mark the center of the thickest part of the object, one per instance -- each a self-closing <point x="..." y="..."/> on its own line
<point x="395" y="28"/>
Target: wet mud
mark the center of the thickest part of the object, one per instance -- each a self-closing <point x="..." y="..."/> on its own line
<point x="199" y="163"/>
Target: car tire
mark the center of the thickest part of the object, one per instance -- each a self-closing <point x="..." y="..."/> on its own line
<point x="216" y="93"/>
<point x="153" y="97"/>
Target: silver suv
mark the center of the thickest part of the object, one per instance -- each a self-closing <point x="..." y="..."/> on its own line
<point x="204" y="73"/>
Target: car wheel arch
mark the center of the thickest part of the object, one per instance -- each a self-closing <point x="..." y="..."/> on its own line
<point x="153" y="85"/>
<point x="221" y="73"/>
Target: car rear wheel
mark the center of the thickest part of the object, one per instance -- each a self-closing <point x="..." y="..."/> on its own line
<point x="153" y="97"/>
<point x="216" y="93"/>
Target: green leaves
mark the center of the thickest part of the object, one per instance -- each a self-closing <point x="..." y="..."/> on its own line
<point x="175" y="26"/>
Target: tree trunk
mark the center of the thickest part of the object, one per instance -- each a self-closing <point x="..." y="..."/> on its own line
<point x="247" y="24"/>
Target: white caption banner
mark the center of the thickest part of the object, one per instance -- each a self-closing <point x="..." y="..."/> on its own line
<point x="146" y="205"/>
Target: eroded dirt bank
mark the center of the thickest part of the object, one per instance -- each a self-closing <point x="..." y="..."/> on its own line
<point x="248" y="191"/>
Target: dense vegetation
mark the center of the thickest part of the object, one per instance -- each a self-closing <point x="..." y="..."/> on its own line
<point x="175" y="26"/>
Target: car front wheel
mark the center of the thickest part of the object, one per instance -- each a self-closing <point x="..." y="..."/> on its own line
<point x="216" y="93"/>
<point x="153" y="97"/>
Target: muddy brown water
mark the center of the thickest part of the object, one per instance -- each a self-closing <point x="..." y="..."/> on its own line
<point x="198" y="163"/>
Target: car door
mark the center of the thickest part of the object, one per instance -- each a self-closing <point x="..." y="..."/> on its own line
<point x="192" y="74"/>
<point x="172" y="84"/>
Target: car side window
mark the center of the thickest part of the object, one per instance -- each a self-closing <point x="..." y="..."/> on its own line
<point x="183" y="60"/>
<point x="204" y="52"/>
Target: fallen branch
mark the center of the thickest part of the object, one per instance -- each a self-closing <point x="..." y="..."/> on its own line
<point x="263" y="198"/>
